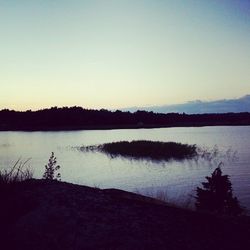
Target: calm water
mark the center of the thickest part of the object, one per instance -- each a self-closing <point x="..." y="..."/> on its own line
<point x="177" y="180"/>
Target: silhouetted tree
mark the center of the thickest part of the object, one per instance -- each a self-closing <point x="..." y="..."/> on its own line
<point x="217" y="196"/>
<point x="79" y="118"/>
<point x="51" y="168"/>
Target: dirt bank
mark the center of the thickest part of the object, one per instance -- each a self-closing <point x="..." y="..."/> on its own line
<point x="43" y="215"/>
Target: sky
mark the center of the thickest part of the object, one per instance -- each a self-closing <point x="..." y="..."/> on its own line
<point x="120" y="53"/>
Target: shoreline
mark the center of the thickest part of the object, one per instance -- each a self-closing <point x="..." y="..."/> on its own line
<point x="79" y="128"/>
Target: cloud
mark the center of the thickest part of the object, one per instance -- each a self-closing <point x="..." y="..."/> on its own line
<point x="198" y="107"/>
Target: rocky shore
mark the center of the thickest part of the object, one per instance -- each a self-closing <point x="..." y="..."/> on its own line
<point x="41" y="215"/>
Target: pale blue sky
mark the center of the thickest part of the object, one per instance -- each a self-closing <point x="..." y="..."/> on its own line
<point x="115" y="54"/>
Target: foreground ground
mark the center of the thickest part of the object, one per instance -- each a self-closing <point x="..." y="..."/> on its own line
<point x="43" y="215"/>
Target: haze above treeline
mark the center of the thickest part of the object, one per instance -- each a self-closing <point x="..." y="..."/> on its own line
<point x="201" y="107"/>
<point x="237" y="105"/>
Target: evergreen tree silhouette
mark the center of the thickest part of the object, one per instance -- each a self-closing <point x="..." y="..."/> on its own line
<point x="51" y="168"/>
<point x="217" y="195"/>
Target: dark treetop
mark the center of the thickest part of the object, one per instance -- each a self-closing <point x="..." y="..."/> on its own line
<point x="70" y="118"/>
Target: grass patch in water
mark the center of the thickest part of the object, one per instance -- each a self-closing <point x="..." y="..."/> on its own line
<point x="142" y="149"/>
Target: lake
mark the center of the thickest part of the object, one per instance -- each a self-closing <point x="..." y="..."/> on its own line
<point x="174" y="180"/>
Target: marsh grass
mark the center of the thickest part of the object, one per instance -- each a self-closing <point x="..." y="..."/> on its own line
<point x="13" y="202"/>
<point x="143" y="149"/>
<point x="185" y="202"/>
<point x="19" y="172"/>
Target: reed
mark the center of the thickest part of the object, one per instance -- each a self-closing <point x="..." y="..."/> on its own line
<point x="143" y="149"/>
<point x="19" y="172"/>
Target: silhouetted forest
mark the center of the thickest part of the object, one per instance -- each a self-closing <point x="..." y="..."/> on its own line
<point x="71" y="118"/>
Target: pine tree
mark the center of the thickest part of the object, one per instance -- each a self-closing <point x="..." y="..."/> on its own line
<point x="51" y="168"/>
<point x="217" y="195"/>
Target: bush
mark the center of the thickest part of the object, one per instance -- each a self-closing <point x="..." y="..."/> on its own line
<point x="217" y="196"/>
<point x="51" y="168"/>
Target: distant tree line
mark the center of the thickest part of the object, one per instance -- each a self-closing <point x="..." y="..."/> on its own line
<point x="69" y="118"/>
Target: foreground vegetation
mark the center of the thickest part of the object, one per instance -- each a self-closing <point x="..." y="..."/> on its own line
<point x="18" y="173"/>
<point x="142" y="149"/>
<point x="217" y="195"/>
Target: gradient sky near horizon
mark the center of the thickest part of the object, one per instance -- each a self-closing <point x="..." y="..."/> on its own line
<point x="122" y="53"/>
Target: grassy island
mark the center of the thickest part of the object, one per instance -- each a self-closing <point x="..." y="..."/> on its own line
<point x="143" y="149"/>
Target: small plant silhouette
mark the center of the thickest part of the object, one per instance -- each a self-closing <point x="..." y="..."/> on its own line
<point x="51" y="168"/>
<point x="18" y="173"/>
<point x="217" y="195"/>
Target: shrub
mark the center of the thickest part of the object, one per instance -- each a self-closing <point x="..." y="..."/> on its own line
<point x="51" y="168"/>
<point x="217" y="196"/>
